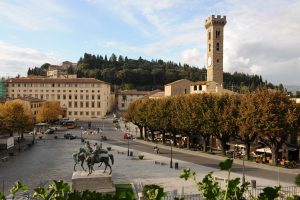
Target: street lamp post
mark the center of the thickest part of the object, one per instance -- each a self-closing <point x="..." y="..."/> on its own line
<point x="243" y="179"/>
<point x="128" y="146"/>
<point x="171" y="161"/>
<point x="81" y="134"/>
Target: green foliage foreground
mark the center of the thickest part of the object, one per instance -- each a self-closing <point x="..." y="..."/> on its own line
<point x="208" y="187"/>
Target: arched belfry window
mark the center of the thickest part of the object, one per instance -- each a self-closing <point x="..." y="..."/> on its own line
<point x="209" y="35"/>
<point x="218" y="33"/>
<point x="218" y="46"/>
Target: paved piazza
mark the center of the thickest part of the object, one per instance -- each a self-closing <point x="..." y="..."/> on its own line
<point x="51" y="159"/>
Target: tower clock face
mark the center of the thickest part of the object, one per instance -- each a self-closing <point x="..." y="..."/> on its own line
<point x="209" y="61"/>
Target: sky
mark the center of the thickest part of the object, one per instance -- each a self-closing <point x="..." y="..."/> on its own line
<point x="261" y="36"/>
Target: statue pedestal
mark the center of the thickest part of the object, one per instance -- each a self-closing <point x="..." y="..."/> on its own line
<point x="97" y="181"/>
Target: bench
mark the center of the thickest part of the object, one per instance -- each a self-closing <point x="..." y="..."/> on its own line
<point x="219" y="179"/>
<point x="4" y="159"/>
<point x="159" y="163"/>
<point x="120" y="152"/>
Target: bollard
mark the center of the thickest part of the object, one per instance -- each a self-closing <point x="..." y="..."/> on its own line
<point x="131" y="153"/>
<point x="176" y="165"/>
<point x="253" y="183"/>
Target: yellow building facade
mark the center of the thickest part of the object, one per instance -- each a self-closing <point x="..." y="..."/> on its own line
<point x="81" y="98"/>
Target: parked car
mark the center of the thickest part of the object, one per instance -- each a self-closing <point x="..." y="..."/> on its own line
<point x="49" y="131"/>
<point x="69" y="136"/>
<point x="127" y="136"/>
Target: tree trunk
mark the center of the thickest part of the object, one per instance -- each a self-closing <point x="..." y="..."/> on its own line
<point x="247" y="152"/>
<point x="174" y="139"/>
<point x="163" y="137"/>
<point x="152" y="135"/>
<point x="188" y="142"/>
<point x="141" y="132"/>
<point x="211" y="143"/>
<point x="275" y="151"/>
<point x="205" y="143"/>
<point x="223" y="146"/>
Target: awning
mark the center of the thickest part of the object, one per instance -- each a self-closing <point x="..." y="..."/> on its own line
<point x="264" y="150"/>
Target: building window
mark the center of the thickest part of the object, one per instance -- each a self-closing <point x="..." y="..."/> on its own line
<point x="98" y="97"/>
<point x="209" y="35"/>
<point x="124" y="97"/>
<point x="75" y="104"/>
<point x="93" y="104"/>
<point x="217" y="60"/>
<point x="81" y="104"/>
<point x="195" y="87"/>
<point x="218" y="33"/>
<point x="53" y="85"/>
<point x="58" y="96"/>
<point x="87" y="113"/>
<point x="123" y="105"/>
<point x="209" y="47"/>
<point x="70" y="112"/>
<point x="218" y="46"/>
<point x="81" y="113"/>
<point x="86" y="104"/>
<point x="42" y="96"/>
<point x="87" y="97"/>
<point x="98" y="113"/>
<point x="64" y="96"/>
<point x="75" y="113"/>
<point x="70" y="96"/>
<point x="81" y="97"/>
<point x="93" y="97"/>
<point x="184" y="91"/>
<point x="75" y="96"/>
<point x="70" y="104"/>
<point x="200" y="87"/>
<point x="93" y="113"/>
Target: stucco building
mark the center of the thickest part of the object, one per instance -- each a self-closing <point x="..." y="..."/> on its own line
<point x="82" y="98"/>
<point x="178" y="87"/>
<point x="125" y="97"/>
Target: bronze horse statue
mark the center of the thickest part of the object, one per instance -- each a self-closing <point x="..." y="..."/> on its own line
<point x="79" y="157"/>
<point x="102" y="157"/>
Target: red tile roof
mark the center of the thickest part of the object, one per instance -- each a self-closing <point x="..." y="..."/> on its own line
<point x="54" y="80"/>
<point x="133" y="92"/>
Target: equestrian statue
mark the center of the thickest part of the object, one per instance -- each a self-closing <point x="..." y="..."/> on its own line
<point x="91" y="157"/>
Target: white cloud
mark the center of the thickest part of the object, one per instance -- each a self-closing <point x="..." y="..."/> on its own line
<point x="191" y="56"/>
<point x="34" y="14"/>
<point x="262" y="38"/>
<point x="16" y="60"/>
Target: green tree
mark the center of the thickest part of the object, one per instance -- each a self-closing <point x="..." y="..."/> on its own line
<point x="279" y="119"/>
<point x="248" y="121"/>
<point x="49" y="111"/>
<point x="16" y="116"/>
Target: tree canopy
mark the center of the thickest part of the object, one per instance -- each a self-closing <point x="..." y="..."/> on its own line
<point x="148" y="75"/>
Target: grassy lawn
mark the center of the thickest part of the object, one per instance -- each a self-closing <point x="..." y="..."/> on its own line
<point x="124" y="191"/>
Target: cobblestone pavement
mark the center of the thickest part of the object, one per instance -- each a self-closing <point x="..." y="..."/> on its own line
<point x="47" y="160"/>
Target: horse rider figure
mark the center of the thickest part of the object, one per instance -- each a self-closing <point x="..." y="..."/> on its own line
<point x="88" y="148"/>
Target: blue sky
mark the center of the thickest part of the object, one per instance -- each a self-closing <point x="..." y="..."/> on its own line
<point x="261" y="37"/>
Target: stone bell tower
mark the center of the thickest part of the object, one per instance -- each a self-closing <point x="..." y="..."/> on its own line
<point x="215" y="36"/>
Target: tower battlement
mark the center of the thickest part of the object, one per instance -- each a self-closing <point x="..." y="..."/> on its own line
<point x="213" y="20"/>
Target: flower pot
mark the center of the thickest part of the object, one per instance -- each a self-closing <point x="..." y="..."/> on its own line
<point x="108" y="148"/>
<point x="141" y="157"/>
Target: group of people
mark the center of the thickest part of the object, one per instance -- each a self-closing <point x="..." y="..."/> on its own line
<point x="156" y="149"/>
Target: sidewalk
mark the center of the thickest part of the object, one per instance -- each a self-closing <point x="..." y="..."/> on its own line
<point x="221" y="158"/>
